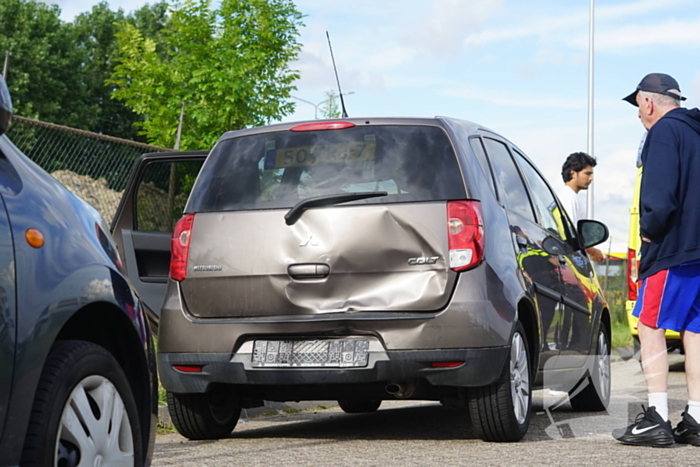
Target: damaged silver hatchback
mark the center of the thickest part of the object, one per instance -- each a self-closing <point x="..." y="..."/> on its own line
<point x="365" y="260"/>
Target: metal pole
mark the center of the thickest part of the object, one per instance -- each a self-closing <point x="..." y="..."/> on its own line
<point x="179" y="128"/>
<point x="7" y="61"/>
<point x="172" y="187"/>
<point x="589" y="197"/>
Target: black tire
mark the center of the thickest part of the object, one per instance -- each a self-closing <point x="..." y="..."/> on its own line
<point x="69" y="365"/>
<point x="359" y="406"/>
<point x="592" y="394"/>
<point x="492" y="407"/>
<point x="211" y="415"/>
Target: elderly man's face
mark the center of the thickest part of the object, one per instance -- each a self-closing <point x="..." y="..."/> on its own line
<point x="646" y="111"/>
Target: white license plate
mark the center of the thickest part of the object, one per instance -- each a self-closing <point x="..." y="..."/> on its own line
<point x="327" y="353"/>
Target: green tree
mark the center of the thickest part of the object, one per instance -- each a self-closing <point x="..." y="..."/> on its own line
<point x="57" y="70"/>
<point x="94" y="34"/>
<point x="330" y="108"/>
<point x="229" y="65"/>
<point x="43" y="60"/>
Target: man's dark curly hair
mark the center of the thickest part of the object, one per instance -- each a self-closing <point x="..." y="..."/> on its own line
<point x="576" y="162"/>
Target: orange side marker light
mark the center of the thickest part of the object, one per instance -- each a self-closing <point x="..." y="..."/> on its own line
<point x="34" y="238"/>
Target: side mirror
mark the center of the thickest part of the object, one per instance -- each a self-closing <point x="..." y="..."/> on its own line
<point x="5" y="107"/>
<point x="591" y="233"/>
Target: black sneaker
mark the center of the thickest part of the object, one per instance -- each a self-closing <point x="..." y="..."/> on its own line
<point x="649" y="429"/>
<point x="688" y="430"/>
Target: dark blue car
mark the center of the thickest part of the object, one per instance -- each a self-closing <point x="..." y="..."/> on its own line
<point x="77" y="375"/>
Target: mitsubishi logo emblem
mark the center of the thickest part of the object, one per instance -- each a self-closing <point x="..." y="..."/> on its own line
<point x="309" y="241"/>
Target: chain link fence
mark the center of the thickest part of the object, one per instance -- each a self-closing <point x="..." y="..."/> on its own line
<point x="93" y="166"/>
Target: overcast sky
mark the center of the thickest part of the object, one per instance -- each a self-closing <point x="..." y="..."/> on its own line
<point x="519" y="68"/>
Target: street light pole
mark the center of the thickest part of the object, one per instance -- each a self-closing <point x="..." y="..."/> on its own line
<point x="308" y="102"/>
<point x="589" y="194"/>
<point x="316" y="106"/>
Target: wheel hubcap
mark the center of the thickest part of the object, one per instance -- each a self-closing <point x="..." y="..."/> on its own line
<point x="519" y="378"/>
<point x="95" y="428"/>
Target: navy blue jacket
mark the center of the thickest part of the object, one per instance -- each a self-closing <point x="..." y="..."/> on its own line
<point x="669" y="204"/>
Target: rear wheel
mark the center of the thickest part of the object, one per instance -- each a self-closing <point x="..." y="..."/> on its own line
<point x="84" y="411"/>
<point x="211" y="415"/>
<point x="501" y="411"/>
<point x="593" y="393"/>
<point x="359" y="406"/>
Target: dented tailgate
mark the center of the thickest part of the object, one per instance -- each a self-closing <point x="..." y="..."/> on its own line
<point x="378" y="258"/>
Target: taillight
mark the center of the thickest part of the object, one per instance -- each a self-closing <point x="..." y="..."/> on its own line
<point x="180" y="247"/>
<point x="465" y="229"/>
<point x="446" y="364"/>
<point x="631" y="274"/>
<point x="188" y="368"/>
<point x="320" y="126"/>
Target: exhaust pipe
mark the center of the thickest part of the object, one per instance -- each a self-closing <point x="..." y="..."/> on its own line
<point x="400" y="390"/>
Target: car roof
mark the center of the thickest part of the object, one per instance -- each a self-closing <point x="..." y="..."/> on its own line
<point x="435" y="121"/>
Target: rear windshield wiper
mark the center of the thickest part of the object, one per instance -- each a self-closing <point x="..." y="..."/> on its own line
<point x="327" y="200"/>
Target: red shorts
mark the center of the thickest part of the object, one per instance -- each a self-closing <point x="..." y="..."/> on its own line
<point x="670" y="299"/>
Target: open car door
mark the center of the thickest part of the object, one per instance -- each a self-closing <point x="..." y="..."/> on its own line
<point x="152" y="203"/>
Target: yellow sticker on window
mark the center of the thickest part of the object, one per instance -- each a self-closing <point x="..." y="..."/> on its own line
<point x="338" y="153"/>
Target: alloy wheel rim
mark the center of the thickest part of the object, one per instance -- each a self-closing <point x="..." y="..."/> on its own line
<point x="95" y="429"/>
<point x="603" y="366"/>
<point x="519" y="378"/>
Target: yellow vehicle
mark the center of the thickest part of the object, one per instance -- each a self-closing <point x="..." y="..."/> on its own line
<point x="673" y="339"/>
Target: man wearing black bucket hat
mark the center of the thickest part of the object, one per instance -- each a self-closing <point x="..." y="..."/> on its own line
<point x="669" y="267"/>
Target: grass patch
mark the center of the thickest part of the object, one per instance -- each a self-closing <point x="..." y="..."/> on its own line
<point x="621" y="336"/>
<point x="320" y="407"/>
<point x="291" y="410"/>
<point x="162" y="429"/>
<point x="162" y="399"/>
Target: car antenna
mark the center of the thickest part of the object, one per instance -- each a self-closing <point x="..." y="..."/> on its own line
<point x="340" y="93"/>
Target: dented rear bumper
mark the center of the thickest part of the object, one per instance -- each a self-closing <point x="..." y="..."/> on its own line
<point x="481" y="367"/>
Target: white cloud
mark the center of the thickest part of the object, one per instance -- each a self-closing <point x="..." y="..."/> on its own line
<point x="550" y="55"/>
<point x="514" y="99"/>
<point x="526" y="72"/>
<point x="442" y="30"/>
<point x="675" y="33"/>
<point x="418" y="81"/>
<point x="569" y="24"/>
<point x="72" y="8"/>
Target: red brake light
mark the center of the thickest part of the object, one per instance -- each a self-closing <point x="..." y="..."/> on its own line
<point x="180" y="247"/>
<point x="631" y="274"/>
<point x="465" y="228"/>
<point x="446" y="364"/>
<point x="320" y="126"/>
<point x="188" y="368"/>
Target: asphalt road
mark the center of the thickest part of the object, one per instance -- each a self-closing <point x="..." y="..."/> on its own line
<point x="406" y="433"/>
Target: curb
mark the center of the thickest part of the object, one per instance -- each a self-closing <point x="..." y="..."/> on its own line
<point x="165" y="421"/>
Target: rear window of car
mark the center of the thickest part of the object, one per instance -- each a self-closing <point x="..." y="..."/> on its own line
<point x="277" y="170"/>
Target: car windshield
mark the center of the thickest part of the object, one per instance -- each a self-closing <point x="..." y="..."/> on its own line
<point x="277" y="170"/>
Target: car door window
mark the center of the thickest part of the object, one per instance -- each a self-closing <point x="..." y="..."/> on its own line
<point x="163" y="192"/>
<point x="515" y="195"/>
<point x="549" y="212"/>
<point x="478" y="149"/>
